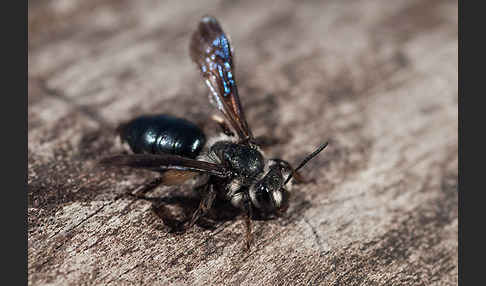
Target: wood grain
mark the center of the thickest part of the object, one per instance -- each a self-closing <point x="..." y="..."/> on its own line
<point x="376" y="78"/>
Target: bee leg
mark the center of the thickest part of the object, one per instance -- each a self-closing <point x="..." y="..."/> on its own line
<point x="140" y="192"/>
<point x="204" y="206"/>
<point x="223" y="125"/>
<point x="161" y="211"/>
<point x="248" y="226"/>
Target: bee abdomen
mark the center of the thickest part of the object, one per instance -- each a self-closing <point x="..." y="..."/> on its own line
<point x="156" y="134"/>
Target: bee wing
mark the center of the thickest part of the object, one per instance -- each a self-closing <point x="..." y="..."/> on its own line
<point x="210" y="49"/>
<point x="164" y="162"/>
<point x="174" y="177"/>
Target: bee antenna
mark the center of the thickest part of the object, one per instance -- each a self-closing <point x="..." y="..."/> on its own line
<point x="306" y="159"/>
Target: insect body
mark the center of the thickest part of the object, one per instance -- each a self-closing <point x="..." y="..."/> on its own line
<point x="234" y="165"/>
<point x="163" y="134"/>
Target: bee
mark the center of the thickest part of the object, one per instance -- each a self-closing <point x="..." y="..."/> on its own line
<point x="233" y="165"/>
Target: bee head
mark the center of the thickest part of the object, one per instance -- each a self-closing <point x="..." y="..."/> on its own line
<point x="268" y="193"/>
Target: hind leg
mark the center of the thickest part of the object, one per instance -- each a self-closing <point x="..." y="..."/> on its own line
<point x="205" y="204"/>
<point x="140" y="192"/>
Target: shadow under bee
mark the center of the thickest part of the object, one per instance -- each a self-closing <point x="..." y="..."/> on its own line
<point x="176" y="210"/>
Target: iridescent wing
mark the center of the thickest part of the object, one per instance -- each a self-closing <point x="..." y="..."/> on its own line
<point x="210" y="49"/>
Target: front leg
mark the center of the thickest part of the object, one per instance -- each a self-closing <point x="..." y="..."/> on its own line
<point x="248" y="225"/>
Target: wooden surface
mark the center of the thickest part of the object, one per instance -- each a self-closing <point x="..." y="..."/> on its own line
<point x="378" y="79"/>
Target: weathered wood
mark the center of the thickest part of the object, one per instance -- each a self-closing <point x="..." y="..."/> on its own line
<point x="378" y="79"/>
